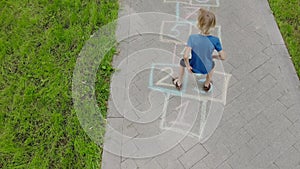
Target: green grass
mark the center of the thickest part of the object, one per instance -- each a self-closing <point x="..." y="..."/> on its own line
<point x="39" y="43"/>
<point x="287" y="14"/>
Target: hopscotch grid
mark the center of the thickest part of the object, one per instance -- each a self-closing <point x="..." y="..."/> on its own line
<point x="151" y="84"/>
<point x="163" y="125"/>
<point x="184" y="95"/>
<point x="178" y="22"/>
<point x="204" y="99"/>
<point x="182" y="92"/>
<point x="181" y="117"/>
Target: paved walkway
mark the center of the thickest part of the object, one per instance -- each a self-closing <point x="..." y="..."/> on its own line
<point x="251" y="119"/>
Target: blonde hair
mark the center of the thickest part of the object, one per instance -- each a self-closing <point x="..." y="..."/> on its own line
<point x="206" y="21"/>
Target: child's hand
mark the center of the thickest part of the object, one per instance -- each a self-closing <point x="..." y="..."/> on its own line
<point x="221" y="56"/>
<point x="190" y="69"/>
<point x="218" y="57"/>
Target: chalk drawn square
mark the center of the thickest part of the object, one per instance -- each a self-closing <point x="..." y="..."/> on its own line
<point x="205" y="3"/>
<point x="188" y="12"/>
<point x="185" y="116"/>
<point x="161" y="78"/>
<point x="174" y="32"/>
<point x="194" y="87"/>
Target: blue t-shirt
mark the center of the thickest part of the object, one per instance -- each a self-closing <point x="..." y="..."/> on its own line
<point x="202" y="49"/>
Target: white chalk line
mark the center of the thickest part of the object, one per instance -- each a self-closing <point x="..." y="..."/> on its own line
<point x="191" y="2"/>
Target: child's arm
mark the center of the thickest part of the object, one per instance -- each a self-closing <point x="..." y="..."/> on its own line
<point x="222" y="55"/>
<point x="186" y="55"/>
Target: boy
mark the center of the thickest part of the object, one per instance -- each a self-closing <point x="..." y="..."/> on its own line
<point x="201" y="47"/>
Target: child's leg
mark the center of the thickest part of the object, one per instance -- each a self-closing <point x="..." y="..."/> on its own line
<point x="181" y="74"/>
<point x="178" y="81"/>
<point x="181" y="71"/>
<point x="209" y="77"/>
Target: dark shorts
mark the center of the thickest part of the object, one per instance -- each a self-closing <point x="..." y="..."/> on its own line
<point x="182" y="63"/>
